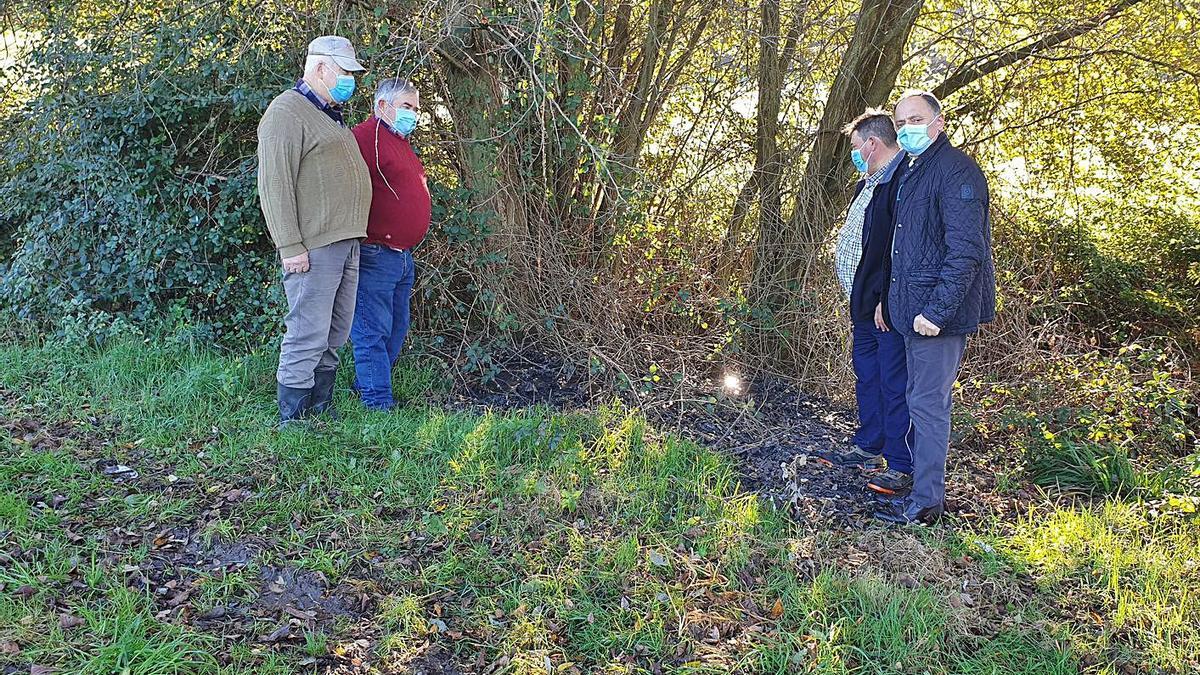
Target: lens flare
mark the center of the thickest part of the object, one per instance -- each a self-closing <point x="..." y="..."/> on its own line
<point x="732" y="383"/>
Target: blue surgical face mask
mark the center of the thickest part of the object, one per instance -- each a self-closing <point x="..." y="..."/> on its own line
<point x="405" y="123"/>
<point x="914" y="138"/>
<point x="343" y="90"/>
<point x="860" y="162"/>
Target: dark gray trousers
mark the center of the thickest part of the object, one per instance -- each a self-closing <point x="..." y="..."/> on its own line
<point x="320" y="311"/>
<point x="932" y="368"/>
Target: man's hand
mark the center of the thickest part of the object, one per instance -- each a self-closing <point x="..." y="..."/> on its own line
<point x="879" y="322"/>
<point x="297" y="263"/>
<point x="925" y="327"/>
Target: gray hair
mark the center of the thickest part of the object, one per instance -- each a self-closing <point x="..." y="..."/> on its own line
<point x="311" y="63"/>
<point x="391" y="88"/>
<point x="934" y="104"/>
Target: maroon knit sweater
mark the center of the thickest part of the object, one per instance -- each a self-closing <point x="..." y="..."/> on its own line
<point x="400" y="203"/>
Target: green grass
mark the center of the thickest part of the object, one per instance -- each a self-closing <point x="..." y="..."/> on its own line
<point x="586" y="541"/>
<point x="1136" y="575"/>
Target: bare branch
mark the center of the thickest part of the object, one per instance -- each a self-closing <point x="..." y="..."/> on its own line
<point x="982" y="66"/>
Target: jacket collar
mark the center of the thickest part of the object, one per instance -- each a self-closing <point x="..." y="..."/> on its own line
<point x="889" y="172"/>
<point x="334" y="112"/>
<point x="938" y="143"/>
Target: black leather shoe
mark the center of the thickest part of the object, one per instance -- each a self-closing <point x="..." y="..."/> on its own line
<point x="322" y="392"/>
<point x="908" y="513"/>
<point x="294" y="404"/>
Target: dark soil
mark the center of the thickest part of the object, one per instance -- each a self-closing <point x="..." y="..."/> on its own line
<point x="526" y="379"/>
<point x="772" y="430"/>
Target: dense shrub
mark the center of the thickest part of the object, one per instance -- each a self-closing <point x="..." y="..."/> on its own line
<point x="129" y="175"/>
<point x="1100" y="424"/>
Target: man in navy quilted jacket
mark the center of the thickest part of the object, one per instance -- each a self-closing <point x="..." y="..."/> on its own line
<point x="941" y="287"/>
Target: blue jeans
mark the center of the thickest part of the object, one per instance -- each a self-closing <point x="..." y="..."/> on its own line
<point x="381" y="319"/>
<point x="881" y="380"/>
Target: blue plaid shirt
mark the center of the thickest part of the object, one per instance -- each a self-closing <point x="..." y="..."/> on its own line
<point x="335" y="114"/>
<point x="852" y="237"/>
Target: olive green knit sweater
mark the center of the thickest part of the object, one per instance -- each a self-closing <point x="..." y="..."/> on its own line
<point x="313" y="184"/>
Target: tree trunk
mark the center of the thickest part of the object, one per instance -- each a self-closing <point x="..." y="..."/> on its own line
<point x="786" y="251"/>
<point x="475" y="101"/>
<point x="768" y="165"/>
<point x="772" y="65"/>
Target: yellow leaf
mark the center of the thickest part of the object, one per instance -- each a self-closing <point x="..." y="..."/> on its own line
<point x="777" y="609"/>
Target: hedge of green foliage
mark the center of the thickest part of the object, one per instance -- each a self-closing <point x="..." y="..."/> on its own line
<point x="129" y="176"/>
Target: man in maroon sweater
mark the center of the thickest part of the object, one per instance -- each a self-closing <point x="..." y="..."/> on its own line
<point x="398" y="221"/>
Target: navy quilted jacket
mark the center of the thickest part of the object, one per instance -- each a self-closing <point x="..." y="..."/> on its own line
<point x="941" y="262"/>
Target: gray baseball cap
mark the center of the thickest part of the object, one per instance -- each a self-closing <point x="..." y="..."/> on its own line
<point x="338" y="48"/>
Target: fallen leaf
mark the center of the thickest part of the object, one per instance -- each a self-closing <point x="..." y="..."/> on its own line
<point x="657" y="558"/>
<point x="26" y="592"/>
<point x="121" y="472"/>
<point x="180" y="598"/>
<point x="41" y="670"/>
<point x="278" y="634"/>
<point x="300" y="614"/>
<point x="10" y="647"/>
<point x="69" y="621"/>
<point x="236" y="495"/>
<point x="214" y="613"/>
<point x="777" y="609"/>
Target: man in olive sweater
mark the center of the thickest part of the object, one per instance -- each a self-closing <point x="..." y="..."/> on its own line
<point x="315" y="192"/>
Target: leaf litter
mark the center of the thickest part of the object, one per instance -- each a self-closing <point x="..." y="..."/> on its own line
<point x="772" y="432"/>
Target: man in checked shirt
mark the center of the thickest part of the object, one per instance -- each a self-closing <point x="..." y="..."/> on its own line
<point x="882" y="443"/>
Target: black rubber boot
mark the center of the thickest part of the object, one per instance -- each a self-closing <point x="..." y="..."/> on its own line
<point x="322" y="392"/>
<point x="294" y="405"/>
